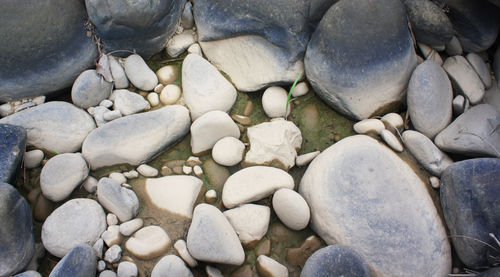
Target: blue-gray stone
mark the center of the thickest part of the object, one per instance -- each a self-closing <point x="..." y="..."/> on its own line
<point x="81" y="261"/>
<point x="142" y="26"/>
<point x="361" y="56"/>
<point x="17" y="244"/>
<point x="12" y="146"/>
<point x="90" y="89"/>
<point x="335" y="260"/>
<point x="29" y="273"/>
<point x="494" y="272"/>
<point x="470" y="191"/>
<point x="44" y="46"/>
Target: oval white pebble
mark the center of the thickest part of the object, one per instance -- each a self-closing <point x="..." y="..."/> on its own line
<point x="291" y="208"/>
<point x="127" y="269"/>
<point x="147" y="171"/>
<point x="300" y="89"/>
<point x="392" y="121"/>
<point x="170" y="94"/>
<point x="154" y="99"/>
<point x="435" y="182"/>
<point x="274" y="102"/>
<point x="167" y="74"/>
<point x="181" y="248"/>
<point x="33" y="158"/>
<point x="371" y="125"/>
<point x="148" y="243"/>
<point x="118" y="177"/>
<point x="129" y="227"/>
<point x="228" y="151"/>
<point x="392" y="140"/>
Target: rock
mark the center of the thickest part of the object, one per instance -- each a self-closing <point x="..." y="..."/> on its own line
<point x="98" y="247"/>
<point x="113" y="254"/>
<point x="187" y="169"/>
<point x="118" y="177"/>
<point x="291" y="209"/>
<point x="29" y="273"/>
<point x="211" y="196"/>
<point x="391" y="140"/>
<point x="490" y="272"/>
<point x="127" y="269"/>
<point x="45" y="47"/>
<point x="179" y="43"/>
<point x="90" y="89"/>
<point x="90" y="184"/>
<point x="426" y="153"/>
<point x="475" y="23"/>
<point x="12" y="145"/>
<point x="77" y="221"/>
<point x="300" y="89"/>
<point x="415" y="240"/>
<point x="256" y="44"/>
<point x="171" y="265"/>
<point x="176" y="194"/>
<point x="129" y="227"/>
<point x="464" y="78"/>
<point x="33" y="159"/>
<point x="6" y="109"/>
<point x="250" y="221"/>
<point x="269" y="267"/>
<point x="128" y="102"/>
<point x="305" y="159"/>
<point x="18" y="243"/>
<point x="112" y="235"/>
<point x="198" y="171"/>
<point x="54" y="126"/>
<point x="79" y="262"/>
<point x="187" y="20"/>
<point x="273" y="143"/>
<point x="154" y="99"/>
<point x="181" y="248"/>
<point x="148" y="243"/>
<point x="274" y="102"/>
<point x="212" y="239"/>
<point x="429" y="99"/>
<point x="344" y="60"/>
<point x="111" y="219"/>
<point x="210" y="128"/>
<point x="140" y="26"/>
<point x="167" y="74"/>
<point x="254" y="183"/>
<point x="107" y="273"/>
<point x="213" y="272"/>
<point x="98" y="113"/>
<point x="434" y="182"/>
<point x="120" y="140"/>
<point x="204" y="88"/>
<point x="335" y="260"/>
<point x="118" y="73"/>
<point x="393" y="122"/>
<point x="132" y="174"/>
<point x="429" y="23"/>
<point x="147" y="171"/>
<point x="453" y="47"/>
<point x="367" y="126"/>
<point x="139" y="73"/>
<point x="469" y="197"/>
<point x="298" y="256"/>
<point x="170" y="94"/>
<point x="62" y="174"/>
<point x="228" y="151"/>
<point x="491" y="96"/>
<point x="473" y="133"/>
<point x="116" y="199"/>
<point x="195" y="49"/>
<point x="460" y="105"/>
<point x="481" y="69"/>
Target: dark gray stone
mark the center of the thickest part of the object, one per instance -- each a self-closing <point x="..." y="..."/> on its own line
<point x="142" y="26"/>
<point x="429" y="23"/>
<point x="90" y="89"/>
<point x="44" y="46"/>
<point x="335" y="260"/>
<point x="317" y="9"/>
<point x="494" y="272"/>
<point x="496" y="65"/>
<point x="17" y="244"/>
<point x="476" y="23"/>
<point x="361" y="56"/>
<point x="79" y="262"/>
<point x="470" y="191"/>
<point x="12" y="146"/>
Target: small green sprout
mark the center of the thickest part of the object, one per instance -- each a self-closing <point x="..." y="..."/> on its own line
<point x="290" y="94"/>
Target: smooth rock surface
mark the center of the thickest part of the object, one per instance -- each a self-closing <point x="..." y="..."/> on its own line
<point x="268" y="267"/>
<point x="113" y="254"/>
<point x="148" y="243"/>
<point x="210" y="128"/>
<point x="305" y="159"/>
<point x="118" y="73"/>
<point x="128" y="102"/>
<point x="121" y="201"/>
<point x="129" y="227"/>
<point x="426" y="153"/>
<point x="33" y="158"/>
<point x="139" y="73"/>
<point x="345" y="187"/>
<point x="171" y="265"/>
<point x="393" y="122"/>
<point x="481" y="69"/>
<point x="228" y="151"/>
<point x="12" y="145"/>
<point x="54" y="126"/>
<point x="89" y="89"/>
<point x="274" y="102"/>
<point x="112" y="235"/>
<point x="170" y="94"/>
<point x="136" y="139"/>
<point x="77" y="221"/>
<point x="181" y="248"/>
<point x="126" y="269"/>
<point x="179" y="43"/>
<point x="167" y="74"/>
<point x="464" y="78"/>
<point x="335" y="260"/>
<point x="79" y="262"/>
<point x="291" y="209"/>
<point x="250" y="221"/>
<point x="370" y="125"/>
<point x="147" y="170"/>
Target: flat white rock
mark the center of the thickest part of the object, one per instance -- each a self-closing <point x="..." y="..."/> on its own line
<point x="179" y="43"/>
<point x="291" y="209"/>
<point x="250" y="221"/>
<point x="210" y="128"/>
<point x="139" y="74"/>
<point x="148" y="243"/>
<point x="171" y="265"/>
<point x="391" y="140"/>
<point x="228" y="151"/>
<point x="147" y="170"/>
<point x="129" y="227"/>
<point x="121" y="201"/>
<point x="128" y="102"/>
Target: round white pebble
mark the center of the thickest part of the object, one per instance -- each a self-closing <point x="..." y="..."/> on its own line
<point x="33" y="158"/>
<point x="127" y="269"/>
<point x="291" y="209"/>
<point x="147" y="171"/>
<point x="228" y="151"/>
<point x="434" y="181"/>
<point x="371" y="125"/>
<point x="167" y="74"/>
<point x="300" y="89"/>
<point x="153" y="99"/>
<point x="111" y="219"/>
<point x="118" y="177"/>
<point x="392" y="121"/>
<point x="170" y="94"/>
<point x="274" y="102"/>
<point x="148" y="243"/>
<point x="129" y="227"/>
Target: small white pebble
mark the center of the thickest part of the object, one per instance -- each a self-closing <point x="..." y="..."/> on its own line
<point x="181" y="248"/>
<point x="112" y="235"/>
<point x="371" y="125"/>
<point x="112" y="115"/>
<point x="167" y="74"/>
<point x="435" y="182"/>
<point x="6" y="109"/>
<point x="91" y="110"/>
<point x="187" y="169"/>
<point x="270" y="266"/>
<point x="274" y="102"/>
<point x="107" y="273"/>
<point x="210" y="196"/>
<point x="111" y="219"/>
<point x="125" y="185"/>
<point x="170" y="94"/>
<point x="131" y="226"/>
<point x="132" y="174"/>
<point x="98" y="246"/>
<point x="193" y="160"/>
<point x="153" y="99"/>
<point x="39" y="100"/>
<point x="90" y="184"/>
<point x="195" y="49"/>
<point x="213" y="272"/>
<point x="300" y="89"/>
<point x="101" y="265"/>
<point x="147" y="171"/>
<point x="306" y="158"/>
<point x="126" y="269"/>
<point x="198" y="171"/>
<point x="392" y="140"/>
<point x="106" y="103"/>
<point x="393" y="121"/>
<point x="33" y="158"/>
<point x="113" y="254"/>
<point x="119" y="177"/>
<point x="158" y="88"/>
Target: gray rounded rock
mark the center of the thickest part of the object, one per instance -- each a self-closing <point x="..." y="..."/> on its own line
<point x="481" y="69"/>
<point x="12" y="145"/>
<point x="335" y="260"/>
<point x="116" y="199"/>
<point x="118" y="73"/>
<point x="171" y="265"/>
<point x="89" y="89"/>
<point x="81" y="261"/>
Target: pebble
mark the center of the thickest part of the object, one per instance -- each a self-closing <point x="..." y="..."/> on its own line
<point x="89" y="89"/>
<point x="90" y="184"/>
<point x="112" y="235"/>
<point x="168" y="74"/>
<point x="166" y="171"/>
<point x="98" y="247"/>
<point x="298" y="256"/>
<point x="139" y="74"/>
<point x="118" y="177"/>
<point x="291" y="209"/>
<point x="181" y="248"/>
<point x="148" y="243"/>
<point x="29" y="273"/>
<point x="170" y="94"/>
<point x="112" y="115"/>
<point x="274" y="102"/>
<point x="430" y="54"/>
<point x="132" y="174"/>
<point x="270" y="267"/>
<point x="113" y="254"/>
<point x="481" y="69"/>
<point x="195" y="49"/>
<point x="154" y="99"/>
<point x="210" y="128"/>
<point x="367" y="126"/>
<point x="177" y="170"/>
<point x="6" y="109"/>
<point x="228" y="151"/>
<point x="106" y="103"/>
<point x="101" y="265"/>
<point x="107" y="273"/>
<point x="453" y="47"/>
<point x="335" y="260"/>
<point x="33" y="158"/>
<point x="300" y="89"/>
<point x="211" y="196"/>
<point x="131" y="226"/>
<point x="242" y="119"/>
<point x="116" y="199"/>
<point x="179" y="43"/>
<point x="79" y="262"/>
<point x="111" y="219"/>
<point x="393" y="122"/>
<point x="192" y="161"/>
<point x="434" y="182"/>
<point x="171" y="265"/>
<point x="118" y="73"/>
<point x="128" y="102"/>
<point x="147" y="171"/>
<point x="187" y="169"/>
<point x="305" y="159"/>
<point x="391" y="140"/>
<point x="213" y="272"/>
<point x="464" y="78"/>
<point x="460" y="105"/>
<point x="250" y="221"/>
<point x="98" y="113"/>
<point x="198" y="171"/>
<point x="159" y="88"/>
<point x="127" y="269"/>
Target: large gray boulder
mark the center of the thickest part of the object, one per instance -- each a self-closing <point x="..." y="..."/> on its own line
<point x="81" y="261"/>
<point x="142" y="26"/>
<point x="12" y="145"/>
<point x="362" y="195"/>
<point x="44" y="46"/>
<point x="361" y="56"/>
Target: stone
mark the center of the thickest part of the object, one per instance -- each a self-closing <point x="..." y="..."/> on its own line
<point x="298" y="256"/>
<point x="148" y="243"/>
<point x="464" y="78"/>
<point x="89" y="89"/>
<point x="111" y="219"/>
<point x="460" y="105"/>
<point x="107" y="273"/>
<point x="6" y="109"/>
<point x="256" y="44"/>
<point x="62" y="174"/>
<point x="242" y="119"/>
<point x="122" y="25"/>
<point x="429" y="23"/>
<point x="370" y="125"/>
<point x="491" y="96"/>
<point x="210" y="128"/>
<point x="393" y="122"/>
<point x="147" y="171"/>
<point x="139" y="73"/>
<point x="77" y="221"/>
<point x="453" y="47"/>
<point x="268" y="267"/>
<point x="179" y="43"/>
<point x="132" y="174"/>
<point x="112" y="235"/>
<point x="274" y="102"/>
<point x="187" y="20"/>
<point x="305" y="159"/>
<point x="54" y="33"/>
<point x="181" y="248"/>
<point x="121" y="201"/>
<point x="434" y="182"/>
<point x="212" y="239"/>
<point x="481" y="69"/>
<point x="204" y="88"/>
<point x="405" y="222"/>
<point x="187" y="169"/>
<point x="127" y="269"/>
<point x="254" y="183"/>
<point x="335" y="260"/>
<point x="250" y="221"/>
<point x="291" y="209"/>
<point x="176" y="194"/>
<point x="195" y="49"/>
<point x="300" y="89"/>
<point x="167" y="74"/>
<point x="213" y="272"/>
<point x="273" y="143"/>
<point x="79" y="262"/>
<point x="228" y="151"/>
<point x="474" y="133"/>
<point x="429" y="99"/>
<point x="98" y="247"/>
<point x="113" y="254"/>
<point x="118" y="177"/>
<point x="170" y="94"/>
<point x="29" y="273"/>
<point x="469" y="198"/>
<point x="198" y="171"/>
<point x="136" y="139"/>
<point x="391" y="140"/>
<point x="33" y="159"/>
<point x="128" y="102"/>
<point x="211" y="196"/>
<point x="426" y="153"/>
<point x="171" y="265"/>
<point x="54" y="126"/>
<point x="90" y="184"/>
<point x="129" y="227"/>
<point x="154" y="99"/>
<point x="361" y="56"/>
<point x="12" y="145"/>
<point x="17" y="240"/>
<point x="98" y="113"/>
<point x="118" y="73"/>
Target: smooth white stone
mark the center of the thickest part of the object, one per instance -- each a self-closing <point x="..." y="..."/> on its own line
<point x="106" y="103"/>
<point x="435" y="182"/>
<point x="171" y="265"/>
<point x="195" y="49"/>
<point x="181" y="248"/>
<point x="291" y="209"/>
<point x="118" y="73"/>
<point x="464" y="78"/>
<point x="370" y="125"/>
<point x="154" y="99"/>
<point x="131" y="226"/>
<point x="305" y="159"/>
<point x="121" y="201"/>
<point x="113" y="254"/>
<point x="210" y="128"/>
<point x="187" y="169"/>
<point x="33" y="158"/>
<point x="111" y="219"/>
<point x="250" y="221"/>
<point x="90" y="184"/>
<point x="179" y="43"/>
<point x="149" y="242"/>
<point x="118" y="177"/>
<point x="147" y="171"/>
<point x="300" y="89"/>
<point x="213" y="272"/>
<point x="168" y="74"/>
<point x="211" y="196"/>
<point x="101" y="265"/>
<point x="270" y="267"/>
<point x="139" y="74"/>
<point x="228" y="151"/>
<point x="128" y="102"/>
<point x="393" y="121"/>
<point x="127" y="269"/>
<point x="198" y="171"/>
<point x="112" y="115"/>
<point x="112" y="235"/>
<point x="391" y="140"/>
<point x="132" y="174"/>
<point x="98" y="246"/>
<point x="274" y="102"/>
<point x="170" y="94"/>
